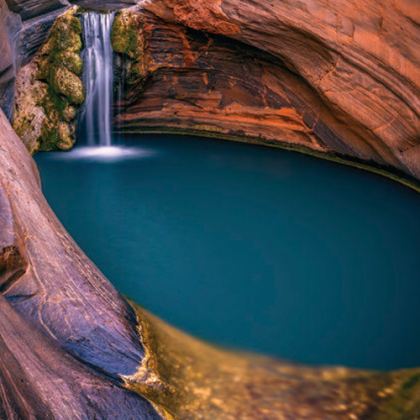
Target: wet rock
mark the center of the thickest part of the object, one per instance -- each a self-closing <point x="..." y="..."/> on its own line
<point x="66" y="83"/>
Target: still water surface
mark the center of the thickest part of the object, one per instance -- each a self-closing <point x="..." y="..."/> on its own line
<point x="250" y="247"/>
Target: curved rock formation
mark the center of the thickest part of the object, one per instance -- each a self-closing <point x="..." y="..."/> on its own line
<point x="72" y="347"/>
<point x="307" y="78"/>
<point x="341" y="79"/>
<point x="63" y="326"/>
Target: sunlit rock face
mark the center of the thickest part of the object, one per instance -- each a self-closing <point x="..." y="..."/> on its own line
<point x="357" y="63"/>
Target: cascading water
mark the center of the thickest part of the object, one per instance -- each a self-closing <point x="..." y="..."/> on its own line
<point x="95" y="123"/>
<point x="98" y="79"/>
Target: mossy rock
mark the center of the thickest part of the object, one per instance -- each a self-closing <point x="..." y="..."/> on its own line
<point x="60" y="66"/>
<point x="69" y="113"/>
<point x="43" y="70"/>
<point x="71" y="60"/>
<point x="127" y="35"/>
<point x="120" y="34"/>
<point x="57" y="136"/>
<point x="127" y="38"/>
<point x="66" y="136"/>
<point x="66" y="83"/>
<point x="50" y="89"/>
<point x="65" y="34"/>
<point x="65" y="39"/>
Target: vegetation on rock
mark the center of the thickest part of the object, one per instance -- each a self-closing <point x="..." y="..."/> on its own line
<point x="51" y="88"/>
<point x="128" y="39"/>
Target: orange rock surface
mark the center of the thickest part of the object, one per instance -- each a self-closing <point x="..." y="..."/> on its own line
<point x="347" y="73"/>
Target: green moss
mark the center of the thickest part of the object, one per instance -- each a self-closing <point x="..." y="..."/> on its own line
<point x="127" y="35"/>
<point x="49" y="137"/>
<point x="71" y="60"/>
<point x="66" y="83"/>
<point x="69" y="113"/>
<point x="127" y="38"/>
<point x="43" y="69"/>
<point x="65" y="135"/>
<point x="65" y="39"/>
<point x="123" y="34"/>
<point x="60" y="66"/>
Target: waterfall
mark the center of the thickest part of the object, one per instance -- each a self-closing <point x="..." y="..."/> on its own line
<point x="98" y="78"/>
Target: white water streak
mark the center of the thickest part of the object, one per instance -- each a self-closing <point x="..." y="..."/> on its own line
<point x="98" y="78"/>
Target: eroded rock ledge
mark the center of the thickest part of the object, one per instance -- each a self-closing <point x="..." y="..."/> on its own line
<point x="341" y="79"/>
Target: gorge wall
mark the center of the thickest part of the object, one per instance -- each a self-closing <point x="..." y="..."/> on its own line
<point x="299" y="75"/>
<point x="338" y="79"/>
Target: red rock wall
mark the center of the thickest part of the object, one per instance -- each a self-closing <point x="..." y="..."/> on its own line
<point x="347" y="74"/>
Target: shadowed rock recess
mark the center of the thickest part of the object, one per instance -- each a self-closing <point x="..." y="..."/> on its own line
<point x="348" y="71"/>
<point x="339" y="80"/>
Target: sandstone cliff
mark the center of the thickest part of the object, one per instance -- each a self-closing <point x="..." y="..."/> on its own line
<point x="340" y="81"/>
<point x="338" y="78"/>
<point x="330" y="80"/>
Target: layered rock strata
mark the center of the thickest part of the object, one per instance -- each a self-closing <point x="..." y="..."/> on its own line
<point x="342" y="80"/>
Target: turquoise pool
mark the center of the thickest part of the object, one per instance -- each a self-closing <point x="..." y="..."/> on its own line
<point x="250" y="247"/>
